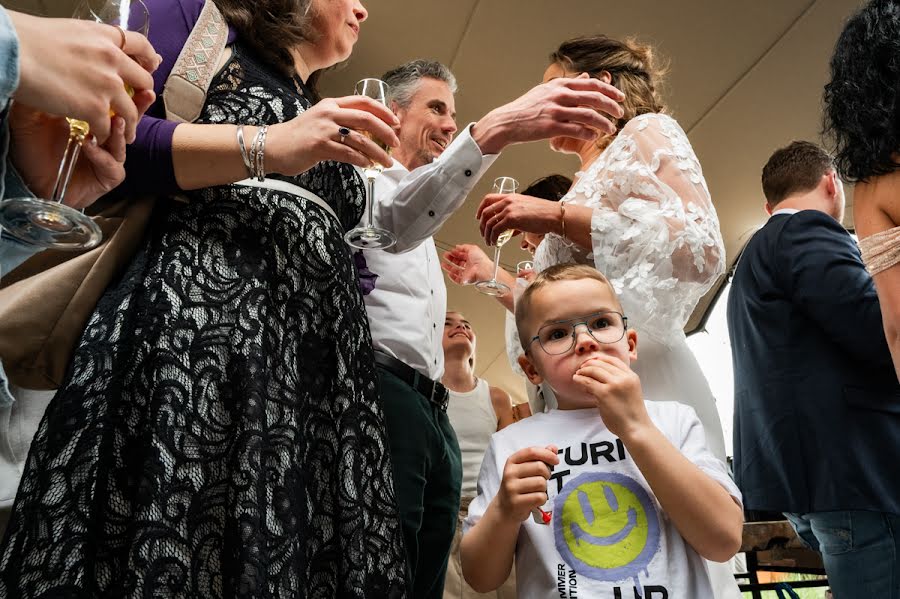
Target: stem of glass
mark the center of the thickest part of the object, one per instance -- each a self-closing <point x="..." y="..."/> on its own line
<point x="371" y="202"/>
<point x="67" y="166"/>
<point x="496" y="262"/>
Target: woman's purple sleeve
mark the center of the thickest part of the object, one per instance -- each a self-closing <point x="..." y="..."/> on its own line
<point x="148" y="165"/>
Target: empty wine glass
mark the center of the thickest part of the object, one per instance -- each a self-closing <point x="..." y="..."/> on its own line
<point x="493" y="286"/>
<point x="50" y="223"/>
<point x="370" y="237"/>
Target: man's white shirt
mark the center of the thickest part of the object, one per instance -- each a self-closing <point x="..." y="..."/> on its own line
<point x="407" y="306"/>
<point x="784" y="211"/>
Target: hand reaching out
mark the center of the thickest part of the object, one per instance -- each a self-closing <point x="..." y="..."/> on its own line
<point x="578" y="107"/>
<point x="467" y="263"/>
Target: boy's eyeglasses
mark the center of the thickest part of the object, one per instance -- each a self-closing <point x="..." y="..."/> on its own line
<point x="559" y="337"/>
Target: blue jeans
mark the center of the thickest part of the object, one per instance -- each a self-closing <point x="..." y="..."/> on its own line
<point x="859" y="549"/>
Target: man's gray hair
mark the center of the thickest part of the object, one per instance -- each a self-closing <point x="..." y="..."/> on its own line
<point x="404" y="79"/>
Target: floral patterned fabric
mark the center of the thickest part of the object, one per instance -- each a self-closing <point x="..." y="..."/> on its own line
<point x="220" y="433"/>
<point x="655" y="231"/>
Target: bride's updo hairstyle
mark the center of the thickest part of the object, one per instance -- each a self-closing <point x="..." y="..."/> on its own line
<point x="631" y="65"/>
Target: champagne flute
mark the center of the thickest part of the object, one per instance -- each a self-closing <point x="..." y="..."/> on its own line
<point x="370" y="237"/>
<point x="524" y="269"/>
<point x="493" y="286"/>
<point x="50" y="223"/>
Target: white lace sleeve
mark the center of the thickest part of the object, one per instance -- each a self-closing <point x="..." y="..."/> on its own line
<point x="655" y="232"/>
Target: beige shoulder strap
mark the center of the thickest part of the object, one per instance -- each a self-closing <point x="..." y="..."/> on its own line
<point x="185" y="91"/>
<point x="881" y="251"/>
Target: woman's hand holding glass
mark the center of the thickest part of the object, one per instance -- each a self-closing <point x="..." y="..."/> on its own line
<point x="500" y="212"/>
<point x="298" y="145"/>
<point x="492" y="286"/>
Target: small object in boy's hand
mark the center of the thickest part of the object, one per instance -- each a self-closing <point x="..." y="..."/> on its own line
<point x="540" y="516"/>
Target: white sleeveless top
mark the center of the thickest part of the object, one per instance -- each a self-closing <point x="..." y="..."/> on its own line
<point x="474" y="420"/>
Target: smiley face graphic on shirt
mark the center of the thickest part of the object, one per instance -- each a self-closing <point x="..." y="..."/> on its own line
<point x="606" y="526"/>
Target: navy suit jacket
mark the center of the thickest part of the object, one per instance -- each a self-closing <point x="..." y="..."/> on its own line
<point x="816" y="398"/>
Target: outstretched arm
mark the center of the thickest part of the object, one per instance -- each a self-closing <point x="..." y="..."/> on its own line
<point x="563" y="107"/>
<point x="466" y="264"/>
<point x="414" y="205"/>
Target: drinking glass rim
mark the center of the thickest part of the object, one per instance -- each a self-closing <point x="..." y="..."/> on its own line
<point x="498" y="185"/>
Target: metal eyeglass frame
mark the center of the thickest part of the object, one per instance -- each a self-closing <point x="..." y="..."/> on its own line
<point x="575" y="322"/>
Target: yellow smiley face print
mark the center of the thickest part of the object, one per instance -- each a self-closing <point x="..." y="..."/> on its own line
<point x="607" y="526"/>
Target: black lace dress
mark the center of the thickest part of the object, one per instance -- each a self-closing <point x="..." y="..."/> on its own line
<point x="220" y="433"/>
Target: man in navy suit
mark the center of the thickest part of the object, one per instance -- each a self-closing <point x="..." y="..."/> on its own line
<point x="817" y="402"/>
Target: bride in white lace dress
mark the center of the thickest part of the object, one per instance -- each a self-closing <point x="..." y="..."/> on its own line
<point x="641" y="213"/>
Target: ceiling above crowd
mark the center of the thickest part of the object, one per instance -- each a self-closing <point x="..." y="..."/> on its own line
<point x="744" y="78"/>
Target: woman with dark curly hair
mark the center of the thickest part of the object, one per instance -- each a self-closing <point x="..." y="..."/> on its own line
<point x="219" y="432"/>
<point x="862" y="116"/>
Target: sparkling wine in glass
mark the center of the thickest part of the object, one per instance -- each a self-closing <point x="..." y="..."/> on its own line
<point x="375" y="169"/>
<point x="370" y="237"/>
<point x="493" y="286"/>
<point x="50" y="223"/>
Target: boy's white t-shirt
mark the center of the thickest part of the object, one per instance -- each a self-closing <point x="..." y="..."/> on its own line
<point x="608" y="537"/>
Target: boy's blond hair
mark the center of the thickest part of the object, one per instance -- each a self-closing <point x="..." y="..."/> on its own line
<point x="558" y="272"/>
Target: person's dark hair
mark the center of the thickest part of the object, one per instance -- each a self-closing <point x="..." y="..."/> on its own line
<point x="862" y="100"/>
<point x="631" y="65"/>
<point x="795" y="168"/>
<point x="271" y="28"/>
<point x="403" y="81"/>
<point x="551" y="187"/>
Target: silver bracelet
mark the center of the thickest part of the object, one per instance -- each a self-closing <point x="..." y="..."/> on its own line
<point x="260" y="142"/>
<point x="243" y="148"/>
<point x="254" y="150"/>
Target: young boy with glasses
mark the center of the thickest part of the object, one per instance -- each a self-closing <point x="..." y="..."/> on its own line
<point x="608" y="496"/>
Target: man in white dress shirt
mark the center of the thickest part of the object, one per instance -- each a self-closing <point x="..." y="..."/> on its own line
<point x="404" y="290"/>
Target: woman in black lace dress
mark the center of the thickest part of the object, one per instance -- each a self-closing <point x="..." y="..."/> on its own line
<point x="219" y="433"/>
